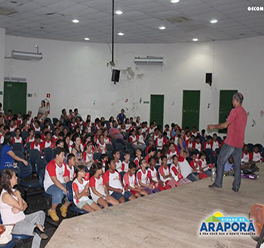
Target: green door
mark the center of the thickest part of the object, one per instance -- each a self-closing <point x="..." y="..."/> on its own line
<point x="191" y="109"/>
<point x="15" y="97"/>
<point x="225" y="106"/>
<point x="157" y="109"/>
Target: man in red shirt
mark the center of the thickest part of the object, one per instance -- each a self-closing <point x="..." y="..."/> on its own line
<point x="236" y="124"/>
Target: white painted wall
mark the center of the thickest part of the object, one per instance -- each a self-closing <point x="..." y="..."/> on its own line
<point x="2" y="58"/>
<point x="76" y="75"/>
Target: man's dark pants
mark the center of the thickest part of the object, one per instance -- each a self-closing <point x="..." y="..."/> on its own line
<point x="225" y="153"/>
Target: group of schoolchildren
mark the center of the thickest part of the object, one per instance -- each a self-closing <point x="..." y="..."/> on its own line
<point x="163" y="159"/>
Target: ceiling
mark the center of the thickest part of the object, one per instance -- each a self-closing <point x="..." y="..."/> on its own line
<point x="140" y="21"/>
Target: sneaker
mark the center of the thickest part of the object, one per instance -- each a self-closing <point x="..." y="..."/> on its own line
<point x="53" y="215"/>
<point x="63" y="210"/>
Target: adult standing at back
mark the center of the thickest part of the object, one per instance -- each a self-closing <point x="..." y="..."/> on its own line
<point x="121" y="116"/>
<point x="234" y="142"/>
<point x="43" y="110"/>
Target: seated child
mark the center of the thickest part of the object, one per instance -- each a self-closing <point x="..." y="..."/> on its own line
<point x="71" y="162"/>
<point x="99" y="191"/>
<point x="255" y="156"/>
<point x="142" y="178"/>
<point x="245" y="163"/>
<point x="138" y="157"/>
<point x="175" y="171"/>
<point x="173" y="150"/>
<point x="104" y="161"/>
<point x="228" y="170"/>
<point x="130" y="182"/>
<point x="81" y="191"/>
<point x="17" y="138"/>
<point x="208" y="144"/>
<point x="88" y="155"/>
<point x="125" y="163"/>
<point x="165" y="175"/>
<point x="116" y="155"/>
<point x="204" y="167"/>
<point x="114" y="184"/>
<point x="186" y="169"/>
<point x="154" y="177"/>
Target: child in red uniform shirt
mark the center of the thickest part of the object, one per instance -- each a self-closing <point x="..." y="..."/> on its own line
<point x="143" y="179"/>
<point x="99" y="191"/>
<point x="130" y="182"/>
<point x="154" y="177"/>
<point x="81" y="191"/>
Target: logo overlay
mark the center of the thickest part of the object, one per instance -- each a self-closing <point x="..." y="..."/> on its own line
<point x="220" y="225"/>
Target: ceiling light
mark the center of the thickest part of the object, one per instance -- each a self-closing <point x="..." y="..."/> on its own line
<point x="120" y="33"/>
<point x="175" y="1"/>
<point x="75" y="21"/>
<point x="213" y="21"/>
<point x="87" y="38"/>
<point x="162" y="28"/>
<point x="195" y="39"/>
<point x="119" y="12"/>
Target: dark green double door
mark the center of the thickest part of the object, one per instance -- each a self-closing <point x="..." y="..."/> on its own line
<point x="15" y="97"/>
<point x="191" y="109"/>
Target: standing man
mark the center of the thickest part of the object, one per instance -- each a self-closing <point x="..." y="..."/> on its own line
<point x="121" y="116"/>
<point x="236" y="124"/>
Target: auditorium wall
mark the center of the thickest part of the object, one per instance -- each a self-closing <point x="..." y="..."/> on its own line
<point x="76" y="75"/>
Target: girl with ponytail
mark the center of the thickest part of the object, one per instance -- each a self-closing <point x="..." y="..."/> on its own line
<point x="81" y="191"/>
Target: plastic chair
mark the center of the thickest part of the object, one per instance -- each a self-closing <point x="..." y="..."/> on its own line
<point x="24" y="135"/>
<point x="97" y="156"/>
<point x="109" y="147"/>
<point x="34" y="155"/>
<point x="10" y="244"/>
<point x="120" y="147"/>
<point x="40" y="170"/>
<point x="109" y="154"/>
<point x="18" y="147"/>
<point x="73" y="208"/>
<point x="212" y="159"/>
<point x="209" y="152"/>
<point x="113" y="142"/>
<point x="48" y="154"/>
<point x="20" y="154"/>
<point x="24" y="173"/>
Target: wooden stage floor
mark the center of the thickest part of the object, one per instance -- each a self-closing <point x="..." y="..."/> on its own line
<point x="167" y="219"/>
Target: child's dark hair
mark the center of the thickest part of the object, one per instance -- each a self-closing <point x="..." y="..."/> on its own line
<point x="163" y="157"/>
<point x="94" y="168"/>
<point x="115" y="151"/>
<point x="70" y="156"/>
<point x="58" y="151"/>
<point x="103" y="156"/>
<point x="141" y="161"/>
<point x="126" y="153"/>
<point x="77" y="169"/>
<point x="150" y="159"/>
<point x="173" y="157"/>
<point x="59" y="141"/>
<point x="132" y="165"/>
<point x="203" y="153"/>
<point x="37" y="136"/>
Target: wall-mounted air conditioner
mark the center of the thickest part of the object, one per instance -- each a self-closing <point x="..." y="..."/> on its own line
<point x="26" y="55"/>
<point x="149" y="61"/>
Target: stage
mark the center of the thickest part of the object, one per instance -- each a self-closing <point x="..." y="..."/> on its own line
<point x="167" y="219"/>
